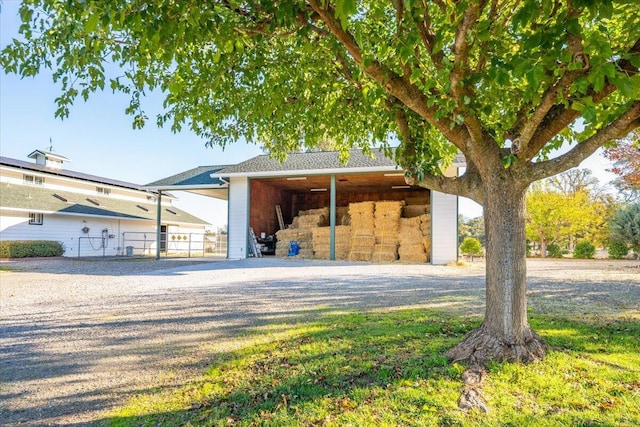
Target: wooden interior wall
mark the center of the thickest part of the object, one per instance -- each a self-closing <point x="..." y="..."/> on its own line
<point x="262" y="211"/>
<point x="301" y="202"/>
<point x="264" y="198"/>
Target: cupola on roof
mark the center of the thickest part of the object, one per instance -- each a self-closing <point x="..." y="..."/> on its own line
<point x="48" y="159"/>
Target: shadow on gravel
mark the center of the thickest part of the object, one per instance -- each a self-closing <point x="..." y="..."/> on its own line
<point x="118" y="266"/>
<point x="135" y="333"/>
<point x="99" y="349"/>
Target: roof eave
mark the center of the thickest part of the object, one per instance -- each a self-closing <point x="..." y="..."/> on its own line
<point x="299" y="172"/>
<point x="48" y="154"/>
<point x="178" y="187"/>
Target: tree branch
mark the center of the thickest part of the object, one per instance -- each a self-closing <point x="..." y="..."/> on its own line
<point x="549" y="98"/>
<point x="540" y="113"/>
<point x="428" y="38"/>
<point x="407" y="93"/>
<point x="616" y="129"/>
<point x="493" y="13"/>
<point x="558" y="117"/>
<point x="460" y="70"/>
<point x="460" y="49"/>
<point x="468" y="185"/>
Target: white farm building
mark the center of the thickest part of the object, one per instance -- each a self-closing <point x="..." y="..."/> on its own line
<point x="90" y="215"/>
<point x="313" y="196"/>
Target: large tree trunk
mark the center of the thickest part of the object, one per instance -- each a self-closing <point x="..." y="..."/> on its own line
<point x="505" y="333"/>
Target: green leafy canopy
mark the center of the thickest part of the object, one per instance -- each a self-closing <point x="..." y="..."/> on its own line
<point x="436" y="77"/>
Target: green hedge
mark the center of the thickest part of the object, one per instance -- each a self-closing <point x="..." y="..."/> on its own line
<point x="584" y="250"/>
<point x="618" y="250"/>
<point x="30" y="248"/>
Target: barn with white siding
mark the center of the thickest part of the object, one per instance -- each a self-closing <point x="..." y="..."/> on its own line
<point x="261" y="188"/>
<point x="90" y="215"/>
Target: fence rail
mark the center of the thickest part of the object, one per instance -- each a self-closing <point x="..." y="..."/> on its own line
<point x="174" y="244"/>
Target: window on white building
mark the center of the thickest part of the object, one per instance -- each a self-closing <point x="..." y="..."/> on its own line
<point x="32" y="179"/>
<point x="35" y="218"/>
<point x="103" y="190"/>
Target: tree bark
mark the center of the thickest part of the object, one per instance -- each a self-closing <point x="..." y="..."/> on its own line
<point x="505" y="333"/>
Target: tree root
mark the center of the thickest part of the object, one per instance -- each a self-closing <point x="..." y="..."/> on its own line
<point x="481" y="346"/>
<point x="472" y="397"/>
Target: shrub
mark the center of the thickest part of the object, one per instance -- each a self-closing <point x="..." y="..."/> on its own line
<point x="471" y="246"/>
<point x="554" y="251"/>
<point x="584" y="250"/>
<point x="625" y="225"/>
<point x="618" y="249"/>
<point x="30" y="248"/>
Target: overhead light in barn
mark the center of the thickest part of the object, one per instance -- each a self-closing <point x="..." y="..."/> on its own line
<point x="296" y="178"/>
<point x="318" y="189"/>
<point x="394" y="174"/>
<point x="400" y="187"/>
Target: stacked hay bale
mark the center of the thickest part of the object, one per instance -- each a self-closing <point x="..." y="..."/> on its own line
<point x="362" y="231"/>
<point x="313" y="218"/>
<point x="300" y="235"/>
<point x="416" y="206"/>
<point x="415" y="239"/>
<point x="342" y="215"/>
<point x="301" y="232"/>
<point x="386" y="226"/>
<point x="321" y="237"/>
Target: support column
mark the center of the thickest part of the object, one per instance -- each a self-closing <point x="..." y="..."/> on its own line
<point x="158" y="223"/>
<point x="332" y="220"/>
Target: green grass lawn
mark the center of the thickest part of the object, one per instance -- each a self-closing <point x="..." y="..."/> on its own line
<point x="389" y="369"/>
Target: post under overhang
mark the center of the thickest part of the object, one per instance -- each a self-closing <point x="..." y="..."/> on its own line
<point x="158" y="223"/>
<point x="332" y="220"/>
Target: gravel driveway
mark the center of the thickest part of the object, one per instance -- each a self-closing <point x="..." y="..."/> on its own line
<point x="78" y="337"/>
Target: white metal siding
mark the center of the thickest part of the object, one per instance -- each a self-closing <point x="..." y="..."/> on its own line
<point x="444" y="228"/>
<point x="238" y="217"/>
<point x="67" y="229"/>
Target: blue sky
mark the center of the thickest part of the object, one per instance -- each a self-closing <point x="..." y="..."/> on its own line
<point x="99" y="139"/>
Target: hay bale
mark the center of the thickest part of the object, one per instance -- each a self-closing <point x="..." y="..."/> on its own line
<point x="422" y="199"/>
<point x="319" y="211"/>
<point x="409" y="232"/>
<point x="387" y="223"/>
<point x="409" y="223"/>
<point x="414" y="258"/>
<point x="412" y="253"/>
<point x="389" y="209"/>
<point x="360" y="256"/>
<point x="385" y="252"/>
<point x="414" y="238"/>
<point x="361" y="247"/>
<point x="321" y="239"/>
<point x="362" y="242"/>
<point x="311" y="221"/>
<point x="362" y="217"/>
<point x="411" y="211"/>
<point x="387" y="239"/>
<point x="284" y="237"/>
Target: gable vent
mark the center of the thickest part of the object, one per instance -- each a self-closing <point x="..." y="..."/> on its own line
<point x="173" y="212"/>
<point x="95" y="202"/>
<point x="143" y="208"/>
<point x="59" y="197"/>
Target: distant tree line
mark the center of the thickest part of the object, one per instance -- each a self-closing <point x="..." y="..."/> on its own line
<point x="573" y="213"/>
